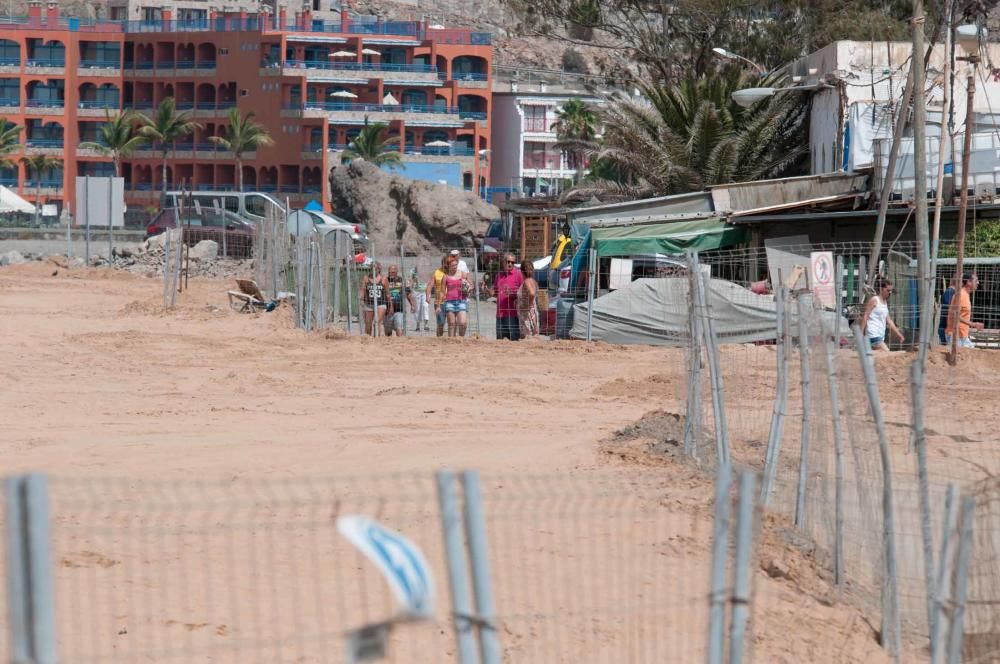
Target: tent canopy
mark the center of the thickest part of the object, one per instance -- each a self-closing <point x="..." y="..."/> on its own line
<point x="665" y="237"/>
<point x="11" y="202"/>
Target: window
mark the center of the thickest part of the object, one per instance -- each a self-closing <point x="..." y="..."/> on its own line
<point x="244" y="92"/>
<point x="534" y="118"/>
<point x="223" y="51"/>
<point x="256" y="205"/>
<point x="534" y="155"/>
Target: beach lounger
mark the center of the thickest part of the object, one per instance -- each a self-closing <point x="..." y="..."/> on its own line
<point x="248" y="299"/>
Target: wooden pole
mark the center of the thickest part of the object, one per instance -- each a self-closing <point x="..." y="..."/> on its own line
<point x="963" y="206"/>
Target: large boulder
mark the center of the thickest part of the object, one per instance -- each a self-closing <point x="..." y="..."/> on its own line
<point x="425" y="217"/>
<point x="206" y="250"/>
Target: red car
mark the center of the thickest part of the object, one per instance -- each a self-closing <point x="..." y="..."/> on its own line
<point x="233" y="234"/>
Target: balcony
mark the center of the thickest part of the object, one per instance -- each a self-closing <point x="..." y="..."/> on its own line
<point x="212" y="109"/>
<point x="10" y="106"/>
<point x="89" y="152"/>
<point x="96" y="108"/>
<point x="469" y="79"/>
<point x="319" y="71"/>
<point x="99" y="68"/>
<point x="10" y="65"/>
<point x="43" y="187"/>
<point x="51" y="146"/>
<point x="56" y="66"/>
<point x="421" y="115"/>
<point x="44" y="106"/>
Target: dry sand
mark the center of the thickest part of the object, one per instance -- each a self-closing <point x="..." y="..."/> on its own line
<point x="101" y="382"/>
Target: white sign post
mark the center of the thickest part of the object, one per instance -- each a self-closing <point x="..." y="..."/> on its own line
<point x="405" y="569"/>
<point x="823" y="278"/>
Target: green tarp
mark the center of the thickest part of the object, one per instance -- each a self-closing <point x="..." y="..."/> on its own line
<point x="666" y="237"/>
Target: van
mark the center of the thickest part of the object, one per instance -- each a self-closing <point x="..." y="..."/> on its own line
<point x="250" y="205"/>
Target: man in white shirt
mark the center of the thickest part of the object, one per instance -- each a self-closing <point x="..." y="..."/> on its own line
<point x="462" y="267"/>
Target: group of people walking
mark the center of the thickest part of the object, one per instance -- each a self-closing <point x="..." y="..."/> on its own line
<point x="447" y="293"/>
<point x="956" y="315"/>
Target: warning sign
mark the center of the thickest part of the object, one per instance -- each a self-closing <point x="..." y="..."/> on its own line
<point x="823" y="278"/>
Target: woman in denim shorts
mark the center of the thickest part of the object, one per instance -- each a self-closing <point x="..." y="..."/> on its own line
<point x="456" y="299"/>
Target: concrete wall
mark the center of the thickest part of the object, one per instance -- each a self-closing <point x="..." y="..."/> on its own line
<point x="507" y="142"/>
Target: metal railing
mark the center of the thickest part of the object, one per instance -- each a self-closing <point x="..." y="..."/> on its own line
<point x="45" y="103"/>
<point x="465" y="76"/>
<point x="372" y="108"/>
<point x="100" y="64"/>
<point x="45" y="62"/>
<point x="99" y="103"/>
<point x="43" y="142"/>
<point x="6" y="103"/>
<point x="358" y="66"/>
<point x="10" y="62"/>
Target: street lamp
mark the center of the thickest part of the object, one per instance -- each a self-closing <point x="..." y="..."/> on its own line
<point x="747" y="97"/>
<point x="729" y="55"/>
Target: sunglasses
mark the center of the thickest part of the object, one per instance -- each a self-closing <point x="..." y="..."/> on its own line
<point x="511" y="262"/>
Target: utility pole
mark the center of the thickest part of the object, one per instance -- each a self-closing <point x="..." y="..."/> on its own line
<point x="963" y="207"/>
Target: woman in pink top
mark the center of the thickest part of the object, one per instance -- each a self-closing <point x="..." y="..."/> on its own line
<point x="456" y="298"/>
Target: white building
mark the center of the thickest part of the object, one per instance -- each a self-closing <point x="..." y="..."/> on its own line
<point x="852" y="120"/>
<point x="525" y="157"/>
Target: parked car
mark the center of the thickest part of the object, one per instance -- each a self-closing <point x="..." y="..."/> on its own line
<point x="233" y="234"/>
<point x="326" y="222"/>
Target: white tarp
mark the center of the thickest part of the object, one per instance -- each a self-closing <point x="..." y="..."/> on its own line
<point x="11" y="202"/>
<point x="655" y="311"/>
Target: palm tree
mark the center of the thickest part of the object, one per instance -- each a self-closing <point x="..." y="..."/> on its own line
<point x="164" y="127"/>
<point x="372" y="144"/>
<point x="10" y="142"/>
<point x="117" y="138"/>
<point x="39" y="165"/>
<point x="575" y="126"/>
<point x="242" y="135"/>
<point x="675" y="139"/>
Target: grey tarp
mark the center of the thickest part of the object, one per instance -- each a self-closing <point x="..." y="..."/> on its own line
<point x="655" y="311"/>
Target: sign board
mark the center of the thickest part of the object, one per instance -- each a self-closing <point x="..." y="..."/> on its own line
<point x="621" y="273"/>
<point x="823" y="278"/>
<point x="402" y="564"/>
<point x="301" y="223"/>
<point x="100" y="201"/>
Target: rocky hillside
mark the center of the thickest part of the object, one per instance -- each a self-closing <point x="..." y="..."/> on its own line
<point x="425" y="217"/>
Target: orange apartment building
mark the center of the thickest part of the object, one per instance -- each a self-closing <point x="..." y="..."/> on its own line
<point x="312" y="83"/>
<point x="57" y="76"/>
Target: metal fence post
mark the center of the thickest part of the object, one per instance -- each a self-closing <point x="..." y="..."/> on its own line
<point x="18" y="611"/>
<point x="802" y="309"/>
<point x="919" y="439"/>
<point x="451" y="526"/>
<point x="955" y="634"/>
<point x="475" y="528"/>
<point x="31" y="597"/>
<point x="891" y="627"/>
<point x="475" y="267"/>
<point x="41" y="594"/>
<point x="942" y="589"/>
<point x="591" y="285"/>
<point x="714" y="366"/>
<point x="403" y="300"/>
<point x="838" y="446"/>
<point x="741" y="567"/>
<point x="780" y="397"/>
<point x="692" y="421"/>
<point x="720" y="555"/>
<point x="349" y="294"/>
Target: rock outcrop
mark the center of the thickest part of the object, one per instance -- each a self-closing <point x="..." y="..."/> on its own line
<point x="425" y="217"/>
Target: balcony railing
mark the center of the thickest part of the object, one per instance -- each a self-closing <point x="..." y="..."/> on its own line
<point x="358" y="66"/>
<point x="46" y="62"/>
<point x="44" y="103"/>
<point x="99" y="103"/>
<point x="43" y="142"/>
<point x="472" y="115"/>
<point x="8" y="182"/>
<point x="414" y="29"/>
<point x="184" y="64"/>
<point x="464" y="76"/>
<point x="10" y="62"/>
<point x="44" y="184"/>
<point x="100" y="64"/>
<point x="373" y="108"/>
<point x="426" y="150"/>
<point x="8" y="103"/>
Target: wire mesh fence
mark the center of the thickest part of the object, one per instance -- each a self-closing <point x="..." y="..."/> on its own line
<point x="831" y="427"/>
<point x="587" y="569"/>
